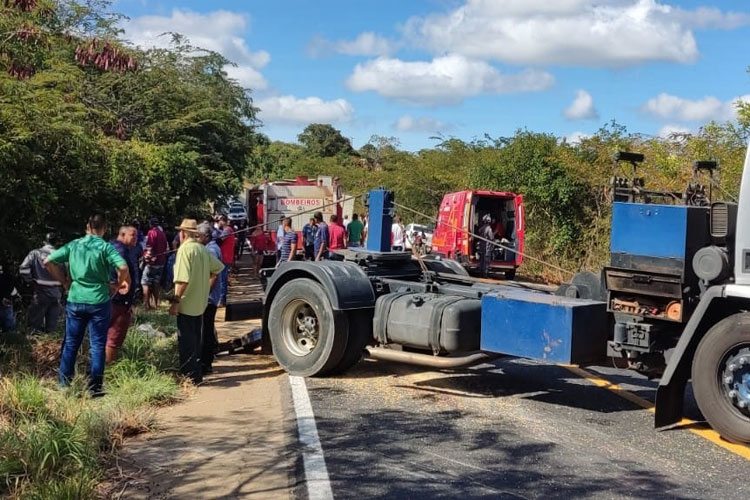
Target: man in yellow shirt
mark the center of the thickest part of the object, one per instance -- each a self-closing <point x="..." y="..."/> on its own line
<point x="194" y="273"/>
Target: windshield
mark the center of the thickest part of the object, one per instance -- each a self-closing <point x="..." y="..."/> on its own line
<point x="420" y="229"/>
<point x="236" y="210"/>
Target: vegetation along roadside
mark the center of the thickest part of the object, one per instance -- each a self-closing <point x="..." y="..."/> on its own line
<point x="57" y="444"/>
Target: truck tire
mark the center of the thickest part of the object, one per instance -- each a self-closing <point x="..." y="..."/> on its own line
<point x="510" y="274"/>
<point x="721" y="377"/>
<point x="360" y="335"/>
<point x="308" y="337"/>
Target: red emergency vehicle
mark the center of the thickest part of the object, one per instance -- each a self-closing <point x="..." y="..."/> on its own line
<point x="268" y="203"/>
<point x="461" y="213"/>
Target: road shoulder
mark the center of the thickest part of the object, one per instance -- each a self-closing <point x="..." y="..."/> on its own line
<point x="234" y="437"/>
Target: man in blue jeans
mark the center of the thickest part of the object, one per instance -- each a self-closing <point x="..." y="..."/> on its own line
<point x="90" y="260"/>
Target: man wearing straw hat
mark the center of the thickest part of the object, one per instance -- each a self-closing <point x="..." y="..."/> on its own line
<point x="195" y="271"/>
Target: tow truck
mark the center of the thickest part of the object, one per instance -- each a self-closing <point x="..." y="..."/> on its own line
<point x="673" y="303"/>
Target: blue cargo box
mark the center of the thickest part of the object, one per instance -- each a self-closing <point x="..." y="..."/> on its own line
<point x="546" y="327"/>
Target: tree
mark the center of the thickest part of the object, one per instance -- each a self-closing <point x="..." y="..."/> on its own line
<point x="377" y="151"/>
<point x="322" y="139"/>
<point x="88" y="124"/>
<point x="273" y="161"/>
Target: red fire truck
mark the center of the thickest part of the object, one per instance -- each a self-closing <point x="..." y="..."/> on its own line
<point x="461" y="213"/>
<point x="269" y="202"/>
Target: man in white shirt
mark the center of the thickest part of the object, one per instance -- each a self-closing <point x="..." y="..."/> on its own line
<point x="397" y="235"/>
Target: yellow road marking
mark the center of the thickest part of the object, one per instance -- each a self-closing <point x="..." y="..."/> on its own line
<point x="694" y="427"/>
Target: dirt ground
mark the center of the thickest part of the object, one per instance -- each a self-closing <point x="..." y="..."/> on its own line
<point x="233" y="438"/>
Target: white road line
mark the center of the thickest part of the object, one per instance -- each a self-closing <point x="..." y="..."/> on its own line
<point x="316" y="472"/>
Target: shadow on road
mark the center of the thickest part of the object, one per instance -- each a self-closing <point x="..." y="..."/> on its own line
<point x="401" y="454"/>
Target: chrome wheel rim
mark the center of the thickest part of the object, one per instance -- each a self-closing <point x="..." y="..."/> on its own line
<point x="735" y="379"/>
<point x="300" y="327"/>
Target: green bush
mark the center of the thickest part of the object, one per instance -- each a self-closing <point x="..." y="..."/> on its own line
<point x="161" y="353"/>
<point x="70" y="488"/>
<point x="23" y="396"/>
<point x="39" y="449"/>
<point x="136" y="383"/>
<point x="53" y="442"/>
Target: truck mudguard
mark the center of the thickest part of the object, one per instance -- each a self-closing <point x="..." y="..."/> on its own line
<point x="671" y="392"/>
<point x="447" y="266"/>
<point x="345" y="283"/>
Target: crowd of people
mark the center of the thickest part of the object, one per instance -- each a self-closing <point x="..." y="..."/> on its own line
<point x="319" y="238"/>
<point x="97" y="283"/>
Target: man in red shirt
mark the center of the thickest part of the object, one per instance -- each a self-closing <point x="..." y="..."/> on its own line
<point x="336" y="234"/>
<point x="258" y="242"/>
<point x="155" y="257"/>
<point x="226" y="243"/>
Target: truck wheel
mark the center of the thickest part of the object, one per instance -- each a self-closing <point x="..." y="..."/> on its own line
<point x="360" y="334"/>
<point x="510" y="274"/>
<point x="721" y="377"/>
<point x="308" y="337"/>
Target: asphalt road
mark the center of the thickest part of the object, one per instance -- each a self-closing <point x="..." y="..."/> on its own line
<point x="509" y="429"/>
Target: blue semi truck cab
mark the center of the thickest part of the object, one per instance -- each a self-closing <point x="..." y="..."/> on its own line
<point x="672" y="303"/>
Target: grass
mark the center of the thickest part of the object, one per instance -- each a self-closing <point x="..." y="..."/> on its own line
<point x="55" y="443"/>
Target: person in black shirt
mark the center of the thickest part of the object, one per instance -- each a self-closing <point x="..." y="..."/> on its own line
<point x="122" y="304"/>
<point x="485" y="247"/>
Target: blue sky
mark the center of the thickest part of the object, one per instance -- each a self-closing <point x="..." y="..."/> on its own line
<point x="416" y="69"/>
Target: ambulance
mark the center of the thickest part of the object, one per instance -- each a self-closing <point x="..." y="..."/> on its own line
<point x="461" y="214"/>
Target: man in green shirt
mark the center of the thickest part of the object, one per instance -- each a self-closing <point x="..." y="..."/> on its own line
<point x="90" y="260"/>
<point x="354" y="232"/>
<point x="195" y="271"/>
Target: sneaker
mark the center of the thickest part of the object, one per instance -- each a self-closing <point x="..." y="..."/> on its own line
<point x="97" y="393"/>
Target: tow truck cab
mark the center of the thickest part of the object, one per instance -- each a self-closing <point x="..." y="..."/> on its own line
<point x="461" y="214"/>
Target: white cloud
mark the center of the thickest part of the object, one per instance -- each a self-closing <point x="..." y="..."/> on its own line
<point x="444" y="80"/>
<point x="582" y="107"/>
<point x="366" y="44"/>
<point x="248" y="76"/>
<point x="712" y="18"/>
<point x="290" y="109"/>
<point x="668" y="130"/>
<point x="576" y="137"/>
<point x="611" y="33"/>
<point x="670" y="107"/>
<point x="220" y="31"/>
<point x="408" y="123"/>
